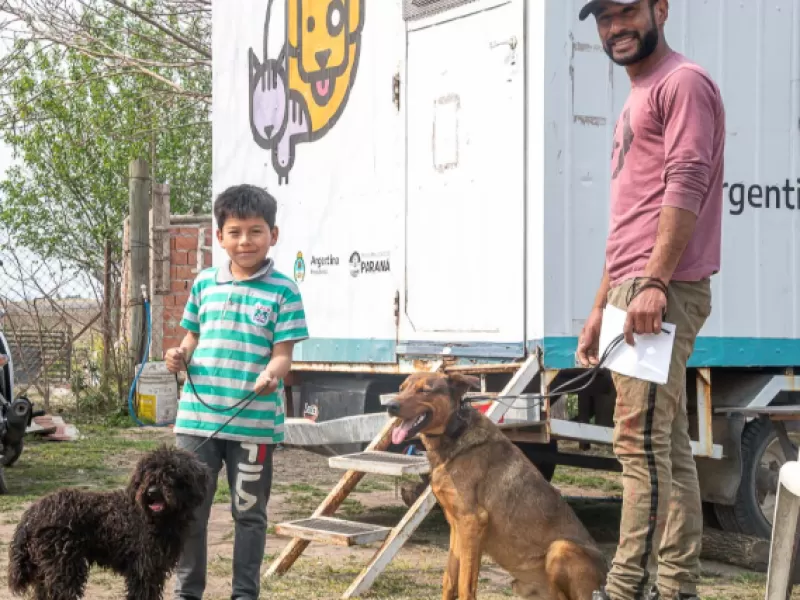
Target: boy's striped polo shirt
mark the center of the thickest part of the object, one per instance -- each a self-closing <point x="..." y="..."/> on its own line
<point x="238" y="323"/>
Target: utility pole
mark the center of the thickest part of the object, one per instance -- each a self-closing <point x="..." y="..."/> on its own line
<point x="139" y="240"/>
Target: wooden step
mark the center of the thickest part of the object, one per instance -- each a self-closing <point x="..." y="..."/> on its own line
<point x="381" y="463"/>
<point x="337" y="532"/>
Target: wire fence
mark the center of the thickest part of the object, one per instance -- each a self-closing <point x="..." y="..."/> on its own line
<point x="53" y="323"/>
<point x="75" y="336"/>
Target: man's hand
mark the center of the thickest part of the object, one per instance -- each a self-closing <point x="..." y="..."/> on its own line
<point x="645" y="313"/>
<point x="589" y="341"/>
<point x="3" y="360"/>
<point x="175" y="357"/>
<point x="267" y="381"/>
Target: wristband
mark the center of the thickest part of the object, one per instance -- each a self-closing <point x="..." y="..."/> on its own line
<point x="649" y="283"/>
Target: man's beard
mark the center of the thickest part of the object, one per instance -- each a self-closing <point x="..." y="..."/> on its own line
<point x="647" y="46"/>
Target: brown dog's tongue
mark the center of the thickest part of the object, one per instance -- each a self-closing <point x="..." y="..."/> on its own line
<point x="399" y="433"/>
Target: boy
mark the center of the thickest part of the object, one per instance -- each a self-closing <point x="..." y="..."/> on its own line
<point x="242" y="321"/>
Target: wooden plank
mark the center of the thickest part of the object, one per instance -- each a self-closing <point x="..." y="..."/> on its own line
<point x="159" y="266"/>
<point x="329" y="531"/>
<point x="139" y="240"/>
<point x="381" y="463"/>
<point x="788" y="412"/>
<point x="516" y="386"/>
<point x="391" y="546"/>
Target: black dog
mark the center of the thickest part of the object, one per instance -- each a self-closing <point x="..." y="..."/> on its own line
<point x="137" y="532"/>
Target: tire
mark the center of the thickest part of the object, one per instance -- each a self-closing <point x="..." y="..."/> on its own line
<point x="13" y="453"/>
<point x="3" y="488"/>
<point x="747" y="515"/>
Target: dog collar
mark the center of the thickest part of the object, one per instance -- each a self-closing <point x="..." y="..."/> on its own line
<point x="456" y="424"/>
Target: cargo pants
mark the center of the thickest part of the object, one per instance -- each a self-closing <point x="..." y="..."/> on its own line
<point x="249" y="470"/>
<point x="662" y="517"/>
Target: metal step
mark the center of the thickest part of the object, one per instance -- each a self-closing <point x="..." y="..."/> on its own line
<point x="469" y="396"/>
<point x="381" y="463"/>
<point x="332" y="531"/>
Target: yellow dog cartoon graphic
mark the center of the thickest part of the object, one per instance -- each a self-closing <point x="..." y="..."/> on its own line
<point x="299" y="96"/>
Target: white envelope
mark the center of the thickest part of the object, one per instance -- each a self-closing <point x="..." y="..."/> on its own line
<point x="650" y="356"/>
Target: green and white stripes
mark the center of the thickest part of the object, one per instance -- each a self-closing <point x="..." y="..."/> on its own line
<point x="238" y="323"/>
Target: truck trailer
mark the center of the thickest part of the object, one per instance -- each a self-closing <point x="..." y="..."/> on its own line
<point x="442" y="169"/>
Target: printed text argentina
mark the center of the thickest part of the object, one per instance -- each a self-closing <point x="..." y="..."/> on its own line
<point x="742" y="196"/>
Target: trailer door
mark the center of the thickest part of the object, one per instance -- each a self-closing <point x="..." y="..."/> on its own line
<point x="465" y="222"/>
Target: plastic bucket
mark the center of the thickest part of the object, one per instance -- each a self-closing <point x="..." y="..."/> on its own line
<point x="156" y="394"/>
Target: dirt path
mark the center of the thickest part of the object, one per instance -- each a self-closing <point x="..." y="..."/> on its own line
<point x="324" y="572"/>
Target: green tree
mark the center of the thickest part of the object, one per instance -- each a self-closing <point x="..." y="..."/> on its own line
<point x="77" y="110"/>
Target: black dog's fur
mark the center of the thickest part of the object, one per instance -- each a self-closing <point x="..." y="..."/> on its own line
<point x="137" y="532"/>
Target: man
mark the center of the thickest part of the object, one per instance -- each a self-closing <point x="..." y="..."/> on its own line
<point x="663" y="245"/>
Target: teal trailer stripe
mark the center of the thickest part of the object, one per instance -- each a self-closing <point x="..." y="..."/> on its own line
<point x="341" y="350"/>
<point x="559" y="352"/>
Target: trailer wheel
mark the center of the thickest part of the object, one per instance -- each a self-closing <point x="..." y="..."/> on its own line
<point x="762" y="458"/>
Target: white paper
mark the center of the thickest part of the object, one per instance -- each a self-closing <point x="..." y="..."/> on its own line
<point x="650" y="356"/>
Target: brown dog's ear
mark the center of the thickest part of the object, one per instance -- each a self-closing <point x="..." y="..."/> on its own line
<point x="405" y="383"/>
<point x="462" y="383"/>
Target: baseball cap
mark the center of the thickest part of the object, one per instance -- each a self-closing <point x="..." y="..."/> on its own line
<point x="591" y="5"/>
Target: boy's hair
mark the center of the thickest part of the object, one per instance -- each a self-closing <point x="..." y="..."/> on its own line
<point x="245" y="201"/>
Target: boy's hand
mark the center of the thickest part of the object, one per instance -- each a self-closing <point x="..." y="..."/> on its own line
<point x="267" y="381"/>
<point x="175" y="357"/>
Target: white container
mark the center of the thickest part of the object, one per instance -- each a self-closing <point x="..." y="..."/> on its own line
<point x="475" y="203"/>
<point x="156" y="394"/>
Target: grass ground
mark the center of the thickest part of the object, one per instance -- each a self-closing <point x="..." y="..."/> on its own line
<point x="103" y="457"/>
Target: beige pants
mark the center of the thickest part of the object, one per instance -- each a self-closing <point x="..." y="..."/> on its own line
<point x="661" y="510"/>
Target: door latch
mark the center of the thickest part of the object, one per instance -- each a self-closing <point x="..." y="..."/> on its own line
<point x="510" y="42"/>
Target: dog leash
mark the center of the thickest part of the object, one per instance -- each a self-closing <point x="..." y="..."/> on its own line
<point x="592" y="373"/>
<point x="241" y="404"/>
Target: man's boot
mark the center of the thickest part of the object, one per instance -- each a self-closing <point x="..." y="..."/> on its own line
<point x="656" y="595"/>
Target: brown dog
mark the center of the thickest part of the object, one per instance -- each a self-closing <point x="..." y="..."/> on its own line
<point x="494" y="498"/>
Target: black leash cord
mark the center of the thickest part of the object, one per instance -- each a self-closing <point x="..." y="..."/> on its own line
<point x="634" y="290"/>
<point x="649" y="283"/>
<point x="247" y="399"/>
<point x="242" y="404"/>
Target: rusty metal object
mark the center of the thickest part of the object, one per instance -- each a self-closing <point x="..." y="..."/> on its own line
<point x="404" y="368"/>
<point x="484" y="369"/>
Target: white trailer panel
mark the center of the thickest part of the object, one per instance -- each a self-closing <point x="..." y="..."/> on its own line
<point x="465" y="208"/>
<point x="340" y="182"/>
<point x="477" y="198"/>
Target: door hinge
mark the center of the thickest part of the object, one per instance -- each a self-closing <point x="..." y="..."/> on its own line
<point x="396" y="91"/>
<point x="397" y="309"/>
